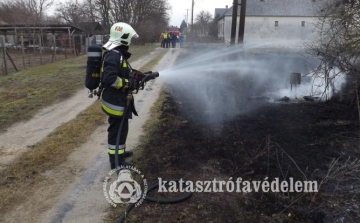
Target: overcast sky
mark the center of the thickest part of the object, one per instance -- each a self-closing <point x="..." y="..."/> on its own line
<point x="179" y="7"/>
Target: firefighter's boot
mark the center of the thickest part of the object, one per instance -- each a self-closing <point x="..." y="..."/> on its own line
<point x="122" y="161"/>
<point x="128" y="154"/>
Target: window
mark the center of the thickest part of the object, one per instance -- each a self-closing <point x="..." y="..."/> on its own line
<point x="302" y="23"/>
<point x="276" y="23"/>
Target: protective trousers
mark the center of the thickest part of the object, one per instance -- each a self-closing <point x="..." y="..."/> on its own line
<point x="113" y="129"/>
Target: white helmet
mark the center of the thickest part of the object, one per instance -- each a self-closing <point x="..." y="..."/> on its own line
<point x="120" y="34"/>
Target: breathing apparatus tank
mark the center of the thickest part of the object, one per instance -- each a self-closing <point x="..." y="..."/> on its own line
<point x="93" y="67"/>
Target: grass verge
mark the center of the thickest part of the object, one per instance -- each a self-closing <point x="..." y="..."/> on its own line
<point x="27" y="171"/>
<point x="52" y="151"/>
<point x="24" y="93"/>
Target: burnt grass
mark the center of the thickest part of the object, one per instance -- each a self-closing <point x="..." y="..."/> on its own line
<point x="272" y="140"/>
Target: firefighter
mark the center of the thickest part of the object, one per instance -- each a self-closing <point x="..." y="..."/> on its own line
<point x="161" y="38"/>
<point x="117" y="85"/>
<point x="168" y="40"/>
<point x="165" y="39"/>
<point x="173" y="40"/>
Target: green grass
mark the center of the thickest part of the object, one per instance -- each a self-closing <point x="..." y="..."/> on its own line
<point x="24" y="93"/>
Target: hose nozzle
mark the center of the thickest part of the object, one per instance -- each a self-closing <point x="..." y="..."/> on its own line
<point x="155" y="74"/>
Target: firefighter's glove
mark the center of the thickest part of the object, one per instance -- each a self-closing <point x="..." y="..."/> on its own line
<point x="130" y="84"/>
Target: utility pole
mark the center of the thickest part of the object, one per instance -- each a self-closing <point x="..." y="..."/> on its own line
<point x="242" y="22"/>
<point x="192" y="15"/>
<point x="187" y="21"/>
<point x="187" y="16"/>
<point x="234" y="22"/>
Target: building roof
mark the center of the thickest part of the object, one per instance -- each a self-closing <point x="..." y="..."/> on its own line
<point x="221" y="11"/>
<point x="289" y="8"/>
<point x="92" y="28"/>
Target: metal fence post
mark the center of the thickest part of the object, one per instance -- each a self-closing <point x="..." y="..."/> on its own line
<point x="4" y="54"/>
<point x="23" y="51"/>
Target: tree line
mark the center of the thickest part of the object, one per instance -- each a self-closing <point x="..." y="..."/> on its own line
<point x="148" y="17"/>
<point x="338" y="35"/>
<point x="338" y="40"/>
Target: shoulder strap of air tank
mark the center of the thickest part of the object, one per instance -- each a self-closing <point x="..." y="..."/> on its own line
<point x="122" y="59"/>
<point x="101" y="86"/>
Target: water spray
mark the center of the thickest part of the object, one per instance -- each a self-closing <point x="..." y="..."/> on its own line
<point x="204" y="77"/>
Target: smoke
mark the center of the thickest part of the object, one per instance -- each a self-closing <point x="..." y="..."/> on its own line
<point x="318" y="85"/>
<point x="220" y="82"/>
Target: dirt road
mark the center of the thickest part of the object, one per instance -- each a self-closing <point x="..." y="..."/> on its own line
<point x="20" y="137"/>
<point x="72" y="192"/>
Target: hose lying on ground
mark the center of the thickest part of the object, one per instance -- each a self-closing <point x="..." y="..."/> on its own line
<point x="156" y="200"/>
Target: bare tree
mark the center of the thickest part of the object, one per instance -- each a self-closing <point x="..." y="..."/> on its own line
<point x="104" y="7"/>
<point x="7" y="12"/>
<point x="203" y="20"/>
<point x="72" y="12"/>
<point x="213" y="29"/>
<point x="37" y="7"/>
<point x="121" y="10"/>
<point x="24" y="11"/>
<point x="201" y="29"/>
<point x="150" y="18"/>
<point x="338" y="42"/>
<point x="91" y="11"/>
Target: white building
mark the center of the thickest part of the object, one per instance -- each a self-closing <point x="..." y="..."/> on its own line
<point x="275" y="22"/>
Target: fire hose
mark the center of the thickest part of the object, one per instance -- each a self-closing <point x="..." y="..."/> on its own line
<point x="149" y="76"/>
<point x="156" y="200"/>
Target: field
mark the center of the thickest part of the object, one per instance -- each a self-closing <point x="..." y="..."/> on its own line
<point x="262" y="140"/>
<point x="220" y="117"/>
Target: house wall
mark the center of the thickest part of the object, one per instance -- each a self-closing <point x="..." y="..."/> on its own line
<point x="259" y="29"/>
<point x="221" y="28"/>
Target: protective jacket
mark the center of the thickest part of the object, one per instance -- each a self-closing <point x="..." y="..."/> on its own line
<point x="165" y="35"/>
<point x="115" y="79"/>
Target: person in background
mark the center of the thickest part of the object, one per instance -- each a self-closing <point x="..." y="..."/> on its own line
<point x="168" y="40"/>
<point x="164" y="39"/>
<point x="161" y="40"/>
<point x="173" y="40"/>
<point x="181" y="40"/>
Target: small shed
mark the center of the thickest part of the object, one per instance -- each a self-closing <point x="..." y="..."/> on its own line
<point x="12" y="32"/>
<point x="92" y="28"/>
